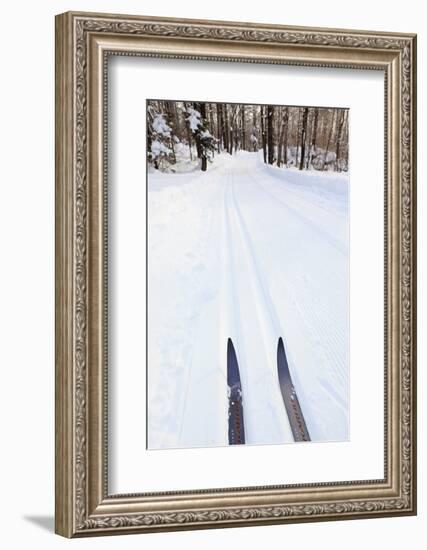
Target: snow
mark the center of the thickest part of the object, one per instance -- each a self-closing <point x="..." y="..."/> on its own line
<point x="160" y="126"/>
<point x="193" y="118"/>
<point x="183" y="162"/>
<point x="157" y="148"/>
<point x="252" y="252"/>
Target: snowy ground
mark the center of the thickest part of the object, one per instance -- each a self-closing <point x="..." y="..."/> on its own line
<point x="251" y="252"/>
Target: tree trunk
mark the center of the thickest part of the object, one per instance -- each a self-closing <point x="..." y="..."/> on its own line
<point x="297" y="137"/>
<point x="313" y="136"/>
<point x="224" y="126"/>
<point x="281" y="150"/>
<point x="243" y="129"/>
<point x="339" y="138"/>
<point x="228" y="129"/>
<point x="264" y="137"/>
<point x="303" y="137"/>
<point x="148" y="127"/>
<point x="328" y="143"/>
<point x="308" y="137"/>
<point x="211" y="122"/>
<point x="344" y="142"/>
<point x="279" y="146"/>
<point x="218" y="128"/>
<point x="270" y="141"/>
<point x="279" y="132"/>
<point x="203" y="154"/>
<point x="188" y="130"/>
<point x="285" y="138"/>
<point x="197" y="107"/>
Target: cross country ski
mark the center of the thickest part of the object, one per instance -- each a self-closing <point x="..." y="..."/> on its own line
<point x="290" y="399"/>
<point x="236" y="427"/>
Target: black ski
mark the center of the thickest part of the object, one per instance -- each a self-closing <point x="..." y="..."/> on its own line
<point x="236" y="428"/>
<point x="290" y="399"/>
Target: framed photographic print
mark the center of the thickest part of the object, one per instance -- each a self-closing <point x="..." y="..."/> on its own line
<point x="235" y="274"/>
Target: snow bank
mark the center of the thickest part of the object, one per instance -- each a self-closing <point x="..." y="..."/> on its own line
<point x="314" y="181"/>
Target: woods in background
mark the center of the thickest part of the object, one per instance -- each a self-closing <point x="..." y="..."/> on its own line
<point x="306" y="138"/>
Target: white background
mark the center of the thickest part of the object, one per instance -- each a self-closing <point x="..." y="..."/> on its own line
<point x="362" y="457"/>
<point x="27" y="244"/>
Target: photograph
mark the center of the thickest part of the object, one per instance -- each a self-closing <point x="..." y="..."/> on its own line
<point x="247" y="274"/>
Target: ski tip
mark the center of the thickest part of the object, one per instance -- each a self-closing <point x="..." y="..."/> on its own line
<point x="280" y="349"/>
<point x="230" y="347"/>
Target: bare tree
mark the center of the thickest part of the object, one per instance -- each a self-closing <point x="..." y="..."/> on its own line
<point x="303" y="137"/>
<point x="224" y="126"/>
<point x="283" y="140"/>
<point x="313" y="136"/>
<point x="219" y="135"/>
<point x="328" y="143"/>
<point x="270" y="137"/>
<point x="264" y="133"/>
<point x="339" y="137"/>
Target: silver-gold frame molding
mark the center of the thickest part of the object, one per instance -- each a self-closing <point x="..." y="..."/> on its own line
<point x="83" y="43"/>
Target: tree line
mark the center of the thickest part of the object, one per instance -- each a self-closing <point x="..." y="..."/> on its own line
<point x="300" y="137"/>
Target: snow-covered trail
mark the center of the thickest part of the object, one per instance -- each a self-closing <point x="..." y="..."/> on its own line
<point x="253" y="253"/>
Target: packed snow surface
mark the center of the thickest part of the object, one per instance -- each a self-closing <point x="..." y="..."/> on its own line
<point x="251" y="252"/>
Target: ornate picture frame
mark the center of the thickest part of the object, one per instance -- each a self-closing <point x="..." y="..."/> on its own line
<point x="84" y="43"/>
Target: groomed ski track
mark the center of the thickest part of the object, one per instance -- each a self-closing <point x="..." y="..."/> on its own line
<point x="252" y="253"/>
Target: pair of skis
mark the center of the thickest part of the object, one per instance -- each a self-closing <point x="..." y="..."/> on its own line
<point x="236" y="427"/>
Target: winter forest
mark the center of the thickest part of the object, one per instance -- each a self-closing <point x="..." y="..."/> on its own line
<point x="184" y="136"/>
